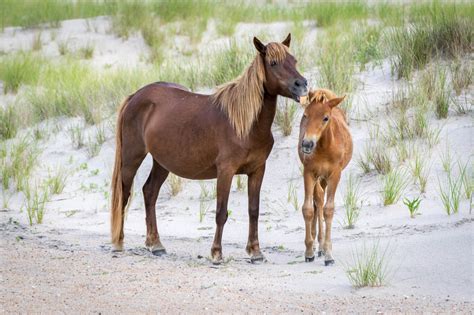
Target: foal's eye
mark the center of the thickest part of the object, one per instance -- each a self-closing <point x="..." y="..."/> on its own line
<point x="273" y="63"/>
<point x="325" y="119"/>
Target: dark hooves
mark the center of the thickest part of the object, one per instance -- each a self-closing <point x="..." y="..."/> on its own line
<point x="329" y="262"/>
<point x="257" y="259"/>
<point x="159" y="252"/>
<point x="320" y="253"/>
<point x="309" y="259"/>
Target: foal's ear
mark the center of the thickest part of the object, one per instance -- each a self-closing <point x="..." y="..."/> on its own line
<point x="259" y="45"/>
<point x="287" y="40"/>
<point x="335" y="101"/>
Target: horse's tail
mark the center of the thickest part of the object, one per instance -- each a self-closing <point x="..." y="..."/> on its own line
<point x="117" y="209"/>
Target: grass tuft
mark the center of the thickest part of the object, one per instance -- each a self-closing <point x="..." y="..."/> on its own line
<point x="369" y="266"/>
<point x="285" y="117"/>
<point x="352" y="202"/>
<point x="175" y="184"/>
<point x="394" y="184"/>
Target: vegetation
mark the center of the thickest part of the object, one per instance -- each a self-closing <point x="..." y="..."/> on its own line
<point x="369" y="266"/>
<point x="394" y="183"/>
<point x="352" y="202"/>
<point x="175" y="184"/>
<point x="285" y="117"/>
<point x="412" y="205"/>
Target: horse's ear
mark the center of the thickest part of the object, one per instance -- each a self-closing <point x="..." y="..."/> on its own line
<point x="287" y="40"/>
<point x="259" y="45"/>
<point x="335" y="101"/>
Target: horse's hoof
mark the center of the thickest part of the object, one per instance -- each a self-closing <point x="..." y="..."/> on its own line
<point x="217" y="261"/>
<point x="256" y="259"/>
<point x="329" y="262"/>
<point x="320" y="253"/>
<point x="309" y="259"/>
<point x="159" y="252"/>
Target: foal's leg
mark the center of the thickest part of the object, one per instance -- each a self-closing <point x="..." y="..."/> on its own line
<point x="333" y="181"/>
<point x="318" y="206"/>
<point x="308" y="214"/>
<point x="151" y="189"/>
<point x="224" y="181"/>
<point x="254" y="184"/>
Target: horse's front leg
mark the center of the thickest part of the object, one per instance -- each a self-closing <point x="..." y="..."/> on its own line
<point x="332" y="183"/>
<point x="224" y="181"/>
<point x="308" y="214"/>
<point x="254" y="185"/>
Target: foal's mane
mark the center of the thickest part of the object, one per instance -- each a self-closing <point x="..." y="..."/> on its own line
<point x="242" y="98"/>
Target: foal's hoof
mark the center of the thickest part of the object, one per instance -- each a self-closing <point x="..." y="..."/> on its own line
<point x="159" y="252"/>
<point x="257" y="259"/>
<point x="309" y="259"/>
<point x="329" y="262"/>
<point x="320" y="253"/>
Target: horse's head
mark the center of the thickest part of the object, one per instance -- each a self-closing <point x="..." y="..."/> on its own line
<point x="316" y="117"/>
<point x="281" y="76"/>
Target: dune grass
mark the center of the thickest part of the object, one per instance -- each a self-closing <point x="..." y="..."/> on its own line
<point x="285" y="116"/>
<point x="33" y="13"/>
<point x="17" y="160"/>
<point x="36" y="197"/>
<point x="175" y="184"/>
<point x="18" y="69"/>
<point x="9" y="122"/>
<point x="369" y="266"/>
<point x="394" y="184"/>
<point x="434" y="32"/>
<point x="352" y="201"/>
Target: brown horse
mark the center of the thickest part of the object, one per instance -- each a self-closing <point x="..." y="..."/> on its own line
<point x="199" y="136"/>
<point x="325" y="149"/>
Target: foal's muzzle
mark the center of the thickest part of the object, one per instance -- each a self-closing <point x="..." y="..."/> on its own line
<point x="307" y="146"/>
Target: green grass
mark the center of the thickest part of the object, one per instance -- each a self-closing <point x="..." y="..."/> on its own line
<point x="285" y="116"/>
<point x="435" y="32"/>
<point x="56" y="180"/>
<point x="369" y="266"/>
<point x="9" y="122"/>
<point x="36" y="197"/>
<point x="420" y="170"/>
<point x="442" y="95"/>
<point x="17" y="160"/>
<point x="352" y="202"/>
<point x="450" y="192"/>
<point x="32" y="13"/>
<point x="336" y="65"/>
<point x="393" y="186"/>
<point x="412" y="205"/>
<point x="76" y="134"/>
<point x="87" y="51"/>
<point x="18" y="69"/>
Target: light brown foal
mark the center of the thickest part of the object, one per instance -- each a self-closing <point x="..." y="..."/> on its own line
<point x="325" y="149"/>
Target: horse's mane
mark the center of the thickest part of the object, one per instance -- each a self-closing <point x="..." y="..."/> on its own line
<point x="242" y="98"/>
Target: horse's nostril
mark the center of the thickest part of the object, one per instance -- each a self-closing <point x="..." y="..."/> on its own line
<point x="308" y="144"/>
<point x="305" y="82"/>
<point x="297" y="83"/>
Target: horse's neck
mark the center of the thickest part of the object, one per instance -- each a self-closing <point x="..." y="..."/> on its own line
<point x="266" y="116"/>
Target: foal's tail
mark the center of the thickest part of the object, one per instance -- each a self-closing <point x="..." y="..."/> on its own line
<point x="117" y="210"/>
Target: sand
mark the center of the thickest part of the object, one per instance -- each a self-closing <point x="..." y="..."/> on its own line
<point x="65" y="264"/>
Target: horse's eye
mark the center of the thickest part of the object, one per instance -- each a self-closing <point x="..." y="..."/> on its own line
<point x="273" y="63"/>
<point x="326" y="118"/>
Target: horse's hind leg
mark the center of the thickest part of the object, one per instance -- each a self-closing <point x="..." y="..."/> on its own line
<point x="151" y="189"/>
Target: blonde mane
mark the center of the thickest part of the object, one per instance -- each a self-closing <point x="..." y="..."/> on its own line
<point x="242" y="99"/>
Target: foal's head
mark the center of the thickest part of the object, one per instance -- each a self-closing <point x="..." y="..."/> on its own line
<point x="281" y="76"/>
<point x="316" y="117"/>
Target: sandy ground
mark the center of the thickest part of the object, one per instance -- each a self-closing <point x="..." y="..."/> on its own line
<point x="65" y="265"/>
